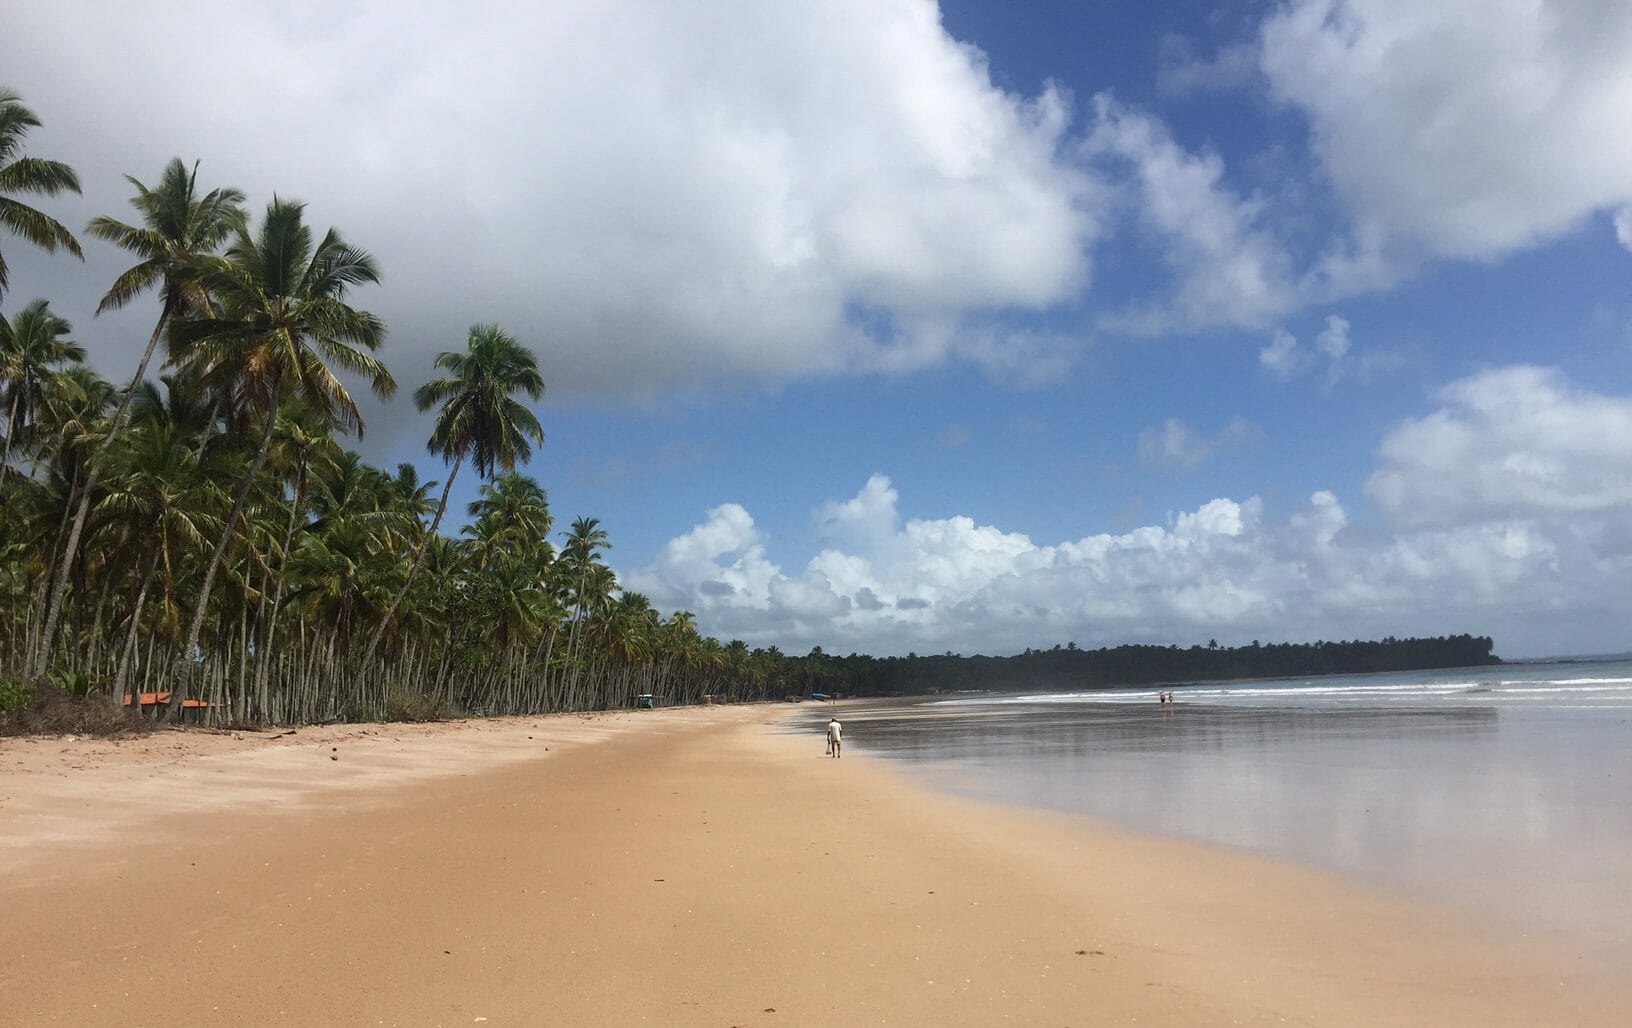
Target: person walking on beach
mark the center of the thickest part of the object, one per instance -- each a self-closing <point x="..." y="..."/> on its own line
<point x="835" y="736"/>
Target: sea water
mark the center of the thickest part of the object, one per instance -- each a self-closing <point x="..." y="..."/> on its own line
<point x="1507" y="789"/>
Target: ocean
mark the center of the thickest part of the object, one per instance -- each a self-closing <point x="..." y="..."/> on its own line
<point x="1504" y="789"/>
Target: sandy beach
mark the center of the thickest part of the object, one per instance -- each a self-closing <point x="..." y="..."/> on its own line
<point x="689" y="867"/>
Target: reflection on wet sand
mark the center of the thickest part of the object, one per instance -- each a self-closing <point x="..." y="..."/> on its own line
<point x="1480" y="805"/>
<point x="931" y="732"/>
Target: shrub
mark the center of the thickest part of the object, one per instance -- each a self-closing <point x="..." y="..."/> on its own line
<point x="14" y="696"/>
<point x="53" y="711"/>
<point x="74" y="683"/>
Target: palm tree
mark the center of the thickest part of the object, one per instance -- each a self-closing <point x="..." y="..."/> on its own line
<point x="299" y="447"/>
<point x="337" y="574"/>
<point x="32" y="346"/>
<point x="512" y="514"/>
<point x="178" y="227"/>
<point x="66" y="422"/>
<point x="19" y="174"/>
<point x="70" y="419"/>
<point x="157" y="495"/>
<point x="480" y="419"/>
<point x="580" y="555"/>
<point x="404" y="501"/>
<point x="281" y="320"/>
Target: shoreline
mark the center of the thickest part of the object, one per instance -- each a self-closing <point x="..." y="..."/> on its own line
<point x="686" y="866"/>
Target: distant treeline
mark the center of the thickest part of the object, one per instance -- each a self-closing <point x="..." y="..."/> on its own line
<point x="1069" y="668"/>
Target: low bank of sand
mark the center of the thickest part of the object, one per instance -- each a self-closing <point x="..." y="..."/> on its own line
<point x="674" y="868"/>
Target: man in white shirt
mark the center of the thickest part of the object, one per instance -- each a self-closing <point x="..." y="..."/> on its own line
<point x="835" y="736"/>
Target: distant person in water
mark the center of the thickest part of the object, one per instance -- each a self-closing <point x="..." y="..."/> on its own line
<point x="835" y="736"/>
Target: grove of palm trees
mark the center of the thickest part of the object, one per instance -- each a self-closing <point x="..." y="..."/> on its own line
<point x="201" y="534"/>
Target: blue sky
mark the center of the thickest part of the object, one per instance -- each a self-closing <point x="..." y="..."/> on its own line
<point x="885" y="326"/>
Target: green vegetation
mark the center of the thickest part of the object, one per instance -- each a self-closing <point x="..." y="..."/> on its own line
<point x="14" y="696"/>
<point x="1069" y="668"/>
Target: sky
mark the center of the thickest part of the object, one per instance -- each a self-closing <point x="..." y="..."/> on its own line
<point x="887" y="326"/>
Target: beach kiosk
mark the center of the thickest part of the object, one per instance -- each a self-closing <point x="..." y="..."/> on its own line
<point x="192" y="711"/>
<point x="645" y="701"/>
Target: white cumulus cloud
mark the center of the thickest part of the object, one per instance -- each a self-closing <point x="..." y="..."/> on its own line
<point x="1623" y="227"/>
<point x="1225" y="570"/>
<point x="1464" y="128"/>
<point x="1227" y="265"/>
<point x="1507" y="510"/>
<point x="1283" y="359"/>
<point x="1508" y="442"/>
<point x="1281" y="356"/>
<point x="645" y="192"/>
<point x="1333" y="340"/>
<point x="1175" y="443"/>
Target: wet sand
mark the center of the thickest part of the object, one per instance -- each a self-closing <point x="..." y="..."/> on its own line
<point x="674" y="868"/>
<point x="1518" y="811"/>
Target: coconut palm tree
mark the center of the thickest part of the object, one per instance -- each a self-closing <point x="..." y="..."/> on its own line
<point x="580" y="555"/>
<point x="69" y="420"/>
<point x="33" y="345"/>
<point x="280" y="320"/>
<point x="479" y="418"/>
<point x="337" y="575"/>
<point x="512" y="514"/>
<point x="156" y="494"/>
<point x="178" y="227"/>
<point x="300" y="447"/>
<point x="404" y="502"/>
<point x="180" y="402"/>
<point x="19" y="174"/>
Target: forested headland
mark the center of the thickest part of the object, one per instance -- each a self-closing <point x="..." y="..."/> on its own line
<point x="1066" y="668"/>
<point x="199" y="540"/>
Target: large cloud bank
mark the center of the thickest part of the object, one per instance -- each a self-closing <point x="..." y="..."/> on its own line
<point x="662" y="193"/>
<point x="646" y="192"/>
<point x="1475" y="537"/>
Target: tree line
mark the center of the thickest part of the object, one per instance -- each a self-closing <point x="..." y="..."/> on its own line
<point x="1068" y="668"/>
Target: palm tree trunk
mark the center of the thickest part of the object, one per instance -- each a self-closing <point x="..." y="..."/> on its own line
<point x="270" y="631"/>
<point x="547" y="647"/>
<point x="11" y="430"/>
<point x="96" y="619"/>
<point x="130" y="647"/>
<point x="209" y="427"/>
<point x="183" y="663"/>
<point x="53" y="607"/>
<point x="413" y="569"/>
<point x="76" y="635"/>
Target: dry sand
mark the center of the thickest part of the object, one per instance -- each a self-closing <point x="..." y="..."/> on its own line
<point x="674" y="868"/>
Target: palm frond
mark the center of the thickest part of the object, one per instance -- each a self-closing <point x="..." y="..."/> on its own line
<point x="37" y="227"/>
<point x="34" y="175"/>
